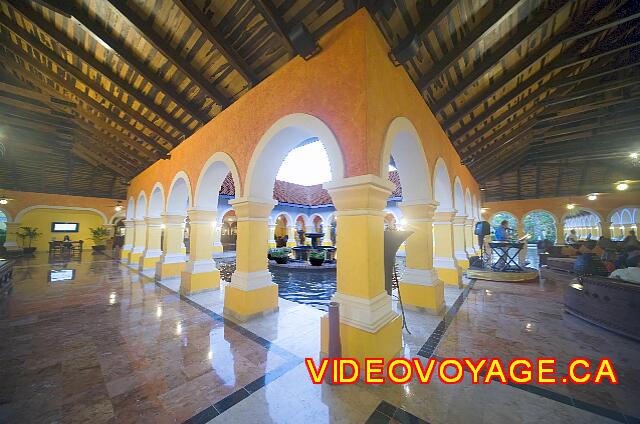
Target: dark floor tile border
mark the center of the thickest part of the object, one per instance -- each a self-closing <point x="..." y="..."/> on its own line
<point x="385" y="412"/>
<point x="427" y="351"/>
<point x="434" y="339"/>
<point x="234" y="398"/>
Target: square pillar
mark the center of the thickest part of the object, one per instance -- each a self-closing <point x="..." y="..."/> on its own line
<point x="11" y="241"/>
<point x="291" y="232"/>
<point x="459" y="248"/>
<point x="251" y="292"/>
<point x="217" y="245"/>
<point x="200" y="272"/>
<point x="469" y="237"/>
<point x="139" y="240"/>
<point x="173" y="259"/>
<point x="368" y="325"/>
<point x="272" y="235"/>
<point x="420" y="286"/>
<point x="152" y="250"/>
<point x="443" y="258"/>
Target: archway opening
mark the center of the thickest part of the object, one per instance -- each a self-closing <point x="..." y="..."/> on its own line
<point x="582" y="224"/>
<point x="229" y="230"/>
<point x="497" y="219"/>
<point x="623" y="221"/>
<point x="3" y="228"/>
<point x="541" y="225"/>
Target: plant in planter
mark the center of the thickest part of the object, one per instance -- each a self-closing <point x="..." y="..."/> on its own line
<point x="280" y="255"/>
<point x="27" y="235"/>
<point x="316" y="257"/>
<point x="99" y="236"/>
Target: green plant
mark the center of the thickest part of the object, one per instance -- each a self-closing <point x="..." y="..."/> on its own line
<point x="99" y="235"/>
<point x="279" y="252"/>
<point x="28" y="233"/>
<point x="316" y="254"/>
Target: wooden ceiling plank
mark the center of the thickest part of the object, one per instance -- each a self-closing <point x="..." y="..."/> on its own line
<point x="182" y="64"/>
<point x="275" y="22"/>
<point x="541" y="19"/>
<point x="29" y="59"/>
<point x="85" y="80"/>
<point x="128" y="57"/>
<point x="559" y="63"/>
<point x="189" y="8"/>
<point x="452" y="56"/>
<point x="66" y="42"/>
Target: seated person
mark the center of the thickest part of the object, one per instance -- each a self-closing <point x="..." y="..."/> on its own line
<point x="572" y="237"/>
<point x="630" y="274"/>
<point x="628" y="252"/>
<point x="502" y="231"/>
<point x="631" y="239"/>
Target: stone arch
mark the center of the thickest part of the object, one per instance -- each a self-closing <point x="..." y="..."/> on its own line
<point x="469" y="205"/>
<point x="141" y="206"/>
<point x="312" y="220"/>
<point x="156" y="201"/>
<point x="179" y="198"/>
<point x="131" y="208"/>
<point x="458" y="198"/>
<point x="276" y="143"/>
<point x="442" y="187"/>
<point x="538" y="232"/>
<point x="403" y="144"/>
<point x="211" y="177"/>
<point x="24" y="211"/>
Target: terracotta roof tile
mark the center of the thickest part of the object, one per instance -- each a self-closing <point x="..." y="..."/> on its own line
<point x="296" y="194"/>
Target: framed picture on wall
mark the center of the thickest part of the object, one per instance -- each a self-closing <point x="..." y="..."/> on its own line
<point x="65" y="227"/>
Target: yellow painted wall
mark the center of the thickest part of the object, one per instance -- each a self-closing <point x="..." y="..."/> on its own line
<point x="42" y="219"/>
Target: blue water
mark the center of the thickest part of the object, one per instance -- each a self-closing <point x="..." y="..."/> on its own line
<point x="309" y="287"/>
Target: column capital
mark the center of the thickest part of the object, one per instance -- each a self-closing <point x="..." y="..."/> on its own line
<point x="469" y="221"/>
<point x="153" y="221"/>
<point x="459" y="220"/>
<point x="443" y="217"/>
<point x="201" y="216"/>
<point x="361" y="195"/>
<point x="248" y="209"/>
<point x="172" y="219"/>
<point x="415" y="211"/>
<point x="128" y="223"/>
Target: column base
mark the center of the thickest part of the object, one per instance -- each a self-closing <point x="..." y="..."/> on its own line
<point x="423" y="291"/>
<point x="124" y="256"/>
<point x="167" y="270"/>
<point x="199" y="276"/>
<point x="134" y="259"/>
<point x="243" y="305"/>
<point x="359" y="344"/>
<point x="217" y="248"/>
<point x="449" y="276"/>
<point x="148" y="262"/>
<point x="462" y="261"/>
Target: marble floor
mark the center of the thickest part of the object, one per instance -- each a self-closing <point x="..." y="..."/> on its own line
<point x="109" y="345"/>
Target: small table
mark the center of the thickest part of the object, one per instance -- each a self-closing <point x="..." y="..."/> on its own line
<point x="506" y="261"/>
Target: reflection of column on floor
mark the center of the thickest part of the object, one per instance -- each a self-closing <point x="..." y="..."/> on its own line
<point x="217" y="232"/>
<point x="443" y="257"/>
<point x="152" y="250"/>
<point x="272" y="235"/>
<point x="469" y="241"/>
<point x="368" y="325"/>
<point x="139" y="239"/>
<point x="200" y="272"/>
<point x="11" y="241"/>
<point x="420" y="286"/>
<point x="251" y="291"/>
<point x="291" y="232"/>
<point x="458" y="242"/>
<point x="173" y="258"/>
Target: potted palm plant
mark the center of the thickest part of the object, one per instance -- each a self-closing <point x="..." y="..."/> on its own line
<point x="27" y="235"/>
<point x="99" y="236"/>
<point x="280" y="255"/>
<point x="316" y="257"/>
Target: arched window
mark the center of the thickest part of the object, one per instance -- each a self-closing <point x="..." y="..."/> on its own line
<point x="501" y="216"/>
<point x="541" y="225"/>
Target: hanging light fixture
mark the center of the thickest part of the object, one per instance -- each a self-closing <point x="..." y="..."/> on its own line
<point x="592" y="196"/>
<point x="570" y="206"/>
